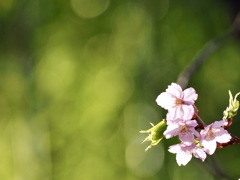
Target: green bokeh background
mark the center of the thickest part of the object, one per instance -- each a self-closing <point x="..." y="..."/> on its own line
<point x="79" y="79"/>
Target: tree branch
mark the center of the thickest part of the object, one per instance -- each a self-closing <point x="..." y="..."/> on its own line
<point x="201" y="57"/>
<point x="183" y="78"/>
<point x="208" y="49"/>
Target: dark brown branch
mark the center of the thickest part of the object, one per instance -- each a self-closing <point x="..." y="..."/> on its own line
<point x="200" y="122"/>
<point x="234" y="140"/>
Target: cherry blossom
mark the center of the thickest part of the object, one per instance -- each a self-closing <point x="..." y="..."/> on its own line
<point x="184" y="153"/>
<point x="185" y="129"/>
<point x="178" y="103"/>
<point x="212" y="134"/>
<point x="182" y="120"/>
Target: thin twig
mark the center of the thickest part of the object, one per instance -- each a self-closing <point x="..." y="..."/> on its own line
<point x="208" y="49"/>
<point x="200" y="122"/>
<point x="201" y="57"/>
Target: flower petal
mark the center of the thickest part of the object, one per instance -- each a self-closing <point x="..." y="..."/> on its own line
<point x="175" y="90"/>
<point x="192" y="123"/>
<point x="186" y="137"/>
<point x="172" y="130"/>
<point x="174" y="148"/>
<point x="171" y="115"/>
<point x="183" y="157"/>
<point x="166" y="100"/>
<point x="180" y="112"/>
<point x="189" y="96"/>
<point x="199" y="153"/>
<point x="188" y="112"/>
<point x="209" y="146"/>
<point x="218" y="124"/>
<point x="222" y="136"/>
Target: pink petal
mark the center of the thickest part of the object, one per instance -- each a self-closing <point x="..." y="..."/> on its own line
<point x="210" y="146"/>
<point x="189" y="96"/>
<point x="175" y="90"/>
<point x="174" y="148"/>
<point x="183" y="157"/>
<point x="172" y="130"/>
<point x="205" y="130"/>
<point x="199" y="153"/>
<point x="175" y="121"/>
<point x="186" y="137"/>
<point x="192" y="123"/>
<point x="171" y="115"/>
<point x="166" y="100"/>
<point x="185" y="112"/>
<point x="222" y="136"/>
<point x="218" y="124"/>
<point x="204" y="133"/>
<point x="182" y="112"/>
<point x="179" y="113"/>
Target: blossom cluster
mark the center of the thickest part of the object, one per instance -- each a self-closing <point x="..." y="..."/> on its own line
<point x="182" y="120"/>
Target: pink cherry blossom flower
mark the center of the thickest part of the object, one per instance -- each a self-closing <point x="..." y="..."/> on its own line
<point x="184" y="153"/>
<point x="212" y="134"/>
<point x="185" y="129"/>
<point x="178" y="103"/>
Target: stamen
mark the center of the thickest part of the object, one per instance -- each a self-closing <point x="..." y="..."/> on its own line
<point x="211" y="134"/>
<point x="183" y="129"/>
<point x="178" y="101"/>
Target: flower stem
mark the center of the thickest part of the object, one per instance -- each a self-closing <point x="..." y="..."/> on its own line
<point x="201" y="123"/>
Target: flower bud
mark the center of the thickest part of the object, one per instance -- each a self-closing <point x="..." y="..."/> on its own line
<point x="232" y="109"/>
<point x="155" y="133"/>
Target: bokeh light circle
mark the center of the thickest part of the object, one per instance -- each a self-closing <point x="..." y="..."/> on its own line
<point x="89" y="8"/>
<point x="141" y="163"/>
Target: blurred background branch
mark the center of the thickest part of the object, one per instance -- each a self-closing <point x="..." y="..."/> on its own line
<point x="208" y="49"/>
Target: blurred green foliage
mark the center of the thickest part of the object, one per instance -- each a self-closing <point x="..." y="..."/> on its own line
<point x="79" y="79"/>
